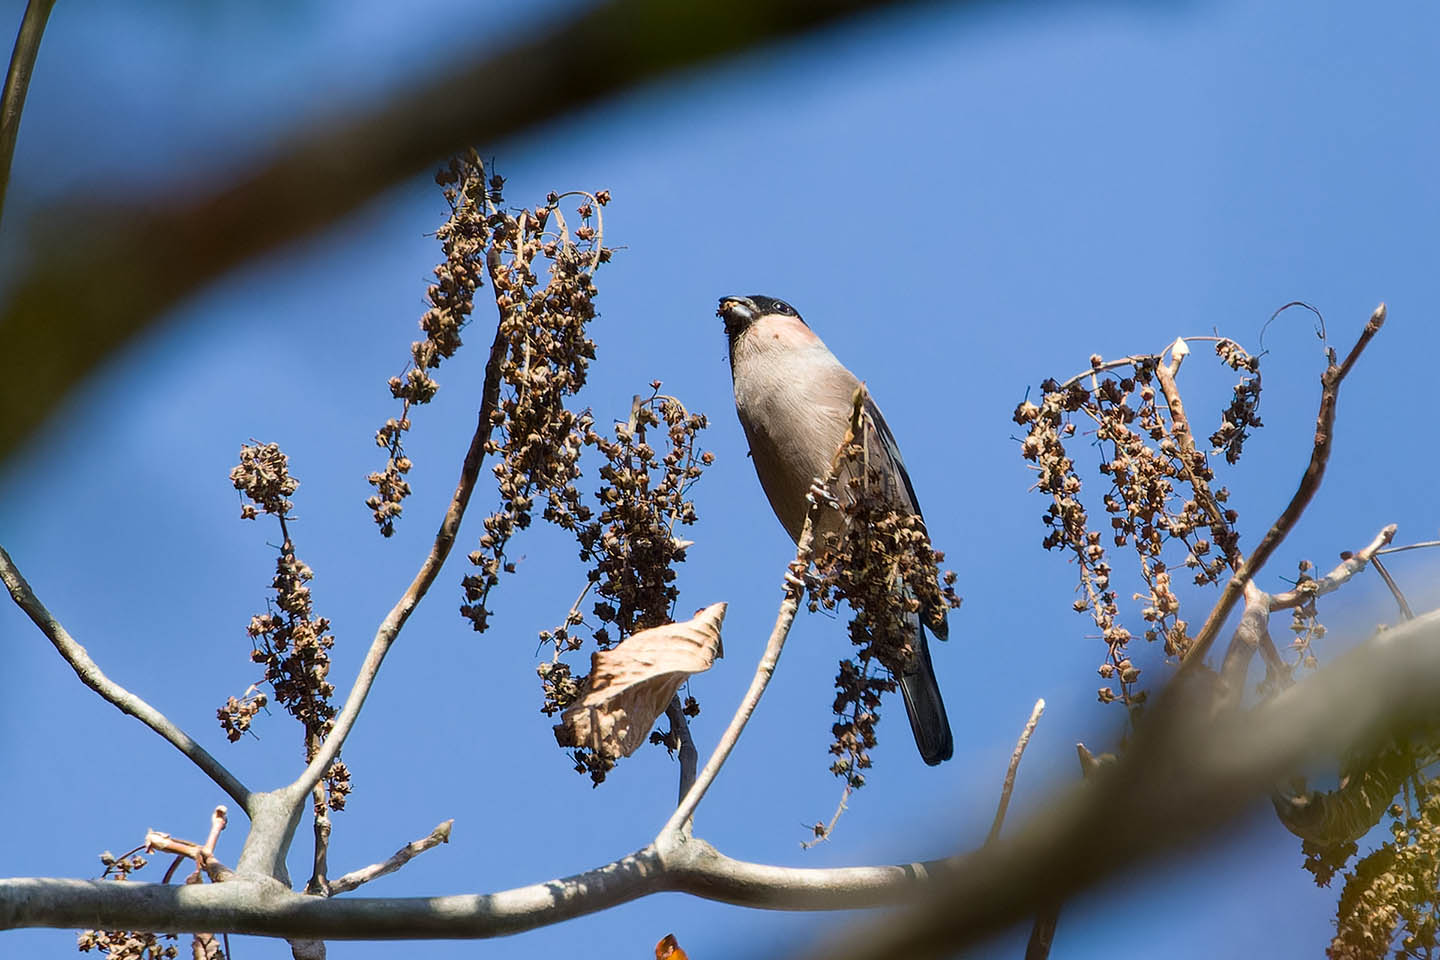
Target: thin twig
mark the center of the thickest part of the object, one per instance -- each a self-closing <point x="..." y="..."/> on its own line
<point x="202" y="853"/>
<point x="1130" y="361"/>
<point x="1336" y="578"/>
<point x="17" y="84"/>
<point x="1405" y="611"/>
<point x="1253" y="632"/>
<point x="398" y="859"/>
<point x="794" y="592"/>
<point x="1009" y="785"/>
<point x="689" y="756"/>
<point x="1330" y="382"/>
<point x="93" y="677"/>
<point x="319" y="883"/>
<point x="429" y="570"/>
<point x="823" y="831"/>
<point x="1426" y="545"/>
<point x="219" y="820"/>
<point x="1189" y="456"/>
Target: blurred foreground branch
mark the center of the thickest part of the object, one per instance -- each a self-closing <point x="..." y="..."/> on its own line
<point x="1185" y="776"/>
<point x="17" y="84"/>
<point x="137" y="257"/>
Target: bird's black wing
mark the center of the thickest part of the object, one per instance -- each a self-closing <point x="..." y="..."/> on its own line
<point x="890" y="448"/>
<point x="880" y="443"/>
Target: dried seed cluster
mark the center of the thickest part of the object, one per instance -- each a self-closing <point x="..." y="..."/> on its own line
<point x="537" y="441"/>
<point x="1305" y="619"/>
<point x="126" y="944"/>
<point x="263" y="476"/>
<point x="1243" y="414"/>
<point x="239" y="712"/>
<point x="879" y="560"/>
<point x="631" y="545"/>
<point x="129" y="944"/>
<point x="1160" y="500"/>
<point x="548" y="353"/>
<point x="464" y="238"/>
<point x="1391" y="899"/>
<point x="290" y="642"/>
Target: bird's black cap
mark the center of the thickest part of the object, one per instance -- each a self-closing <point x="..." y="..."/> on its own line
<point x="740" y="312"/>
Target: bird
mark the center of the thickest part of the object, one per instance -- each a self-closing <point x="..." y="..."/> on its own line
<point x="794" y="399"/>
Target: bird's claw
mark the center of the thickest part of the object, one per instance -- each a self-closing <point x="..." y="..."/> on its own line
<point x="800" y="578"/>
<point x="820" y="493"/>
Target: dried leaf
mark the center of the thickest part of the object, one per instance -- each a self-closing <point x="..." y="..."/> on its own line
<point x="630" y="685"/>
<point x="669" y="949"/>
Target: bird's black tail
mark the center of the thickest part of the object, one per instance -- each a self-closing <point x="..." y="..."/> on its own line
<point x="924" y="705"/>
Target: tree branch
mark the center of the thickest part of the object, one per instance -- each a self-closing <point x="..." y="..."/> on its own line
<point x="1189" y="456"/>
<point x="1336" y="578"/>
<point x="794" y="591"/>
<point x="395" y="620"/>
<point x="1330" y="382"/>
<point x="689" y="756"/>
<point x="398" y="859"/>
<point x="17" y="84"/>
<point x="93" y="677"/>
<point x="1400" y="601"/>
<point x="1185" y="775"/>
<point x="1009" y="785"/>
<point x="319" y="882"/>
<point x="1253" y="631"/>
<point x="266" y="908"/>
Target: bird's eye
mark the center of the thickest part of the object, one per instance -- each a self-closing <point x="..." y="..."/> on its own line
<point x="782" y="307"/>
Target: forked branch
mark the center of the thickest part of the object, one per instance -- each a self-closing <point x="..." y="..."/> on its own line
<point x="93" y="677"/>
<point x="1330" y="382"/>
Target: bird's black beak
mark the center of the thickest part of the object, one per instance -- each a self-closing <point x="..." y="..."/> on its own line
<point x="738" y="313"/>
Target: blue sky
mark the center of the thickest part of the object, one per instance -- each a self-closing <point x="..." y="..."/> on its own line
<point x="960" y="201"/>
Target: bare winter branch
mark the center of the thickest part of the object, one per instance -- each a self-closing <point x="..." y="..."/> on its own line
<point x="353" y="879"/>
<point x="1394" y="589"/>
<point x="17" y="84"/>
<point x="1330" y="382"/>
<point x="1010" y="771"/>
<point x="429" y="570"/>
<point x="1336" y="578"/>
<point x="1184" y="775"/>
<point x="689" y="756"/>
<point x="93" y="677"/>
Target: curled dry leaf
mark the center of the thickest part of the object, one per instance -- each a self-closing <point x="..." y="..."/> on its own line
<point x="631" y="684"/>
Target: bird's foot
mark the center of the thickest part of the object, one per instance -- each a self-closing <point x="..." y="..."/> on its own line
<point x="820" y="493"/>
<point x="799" y="578"/>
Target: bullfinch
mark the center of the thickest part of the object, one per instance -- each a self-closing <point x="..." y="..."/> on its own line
<point x="794" y="400"/>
